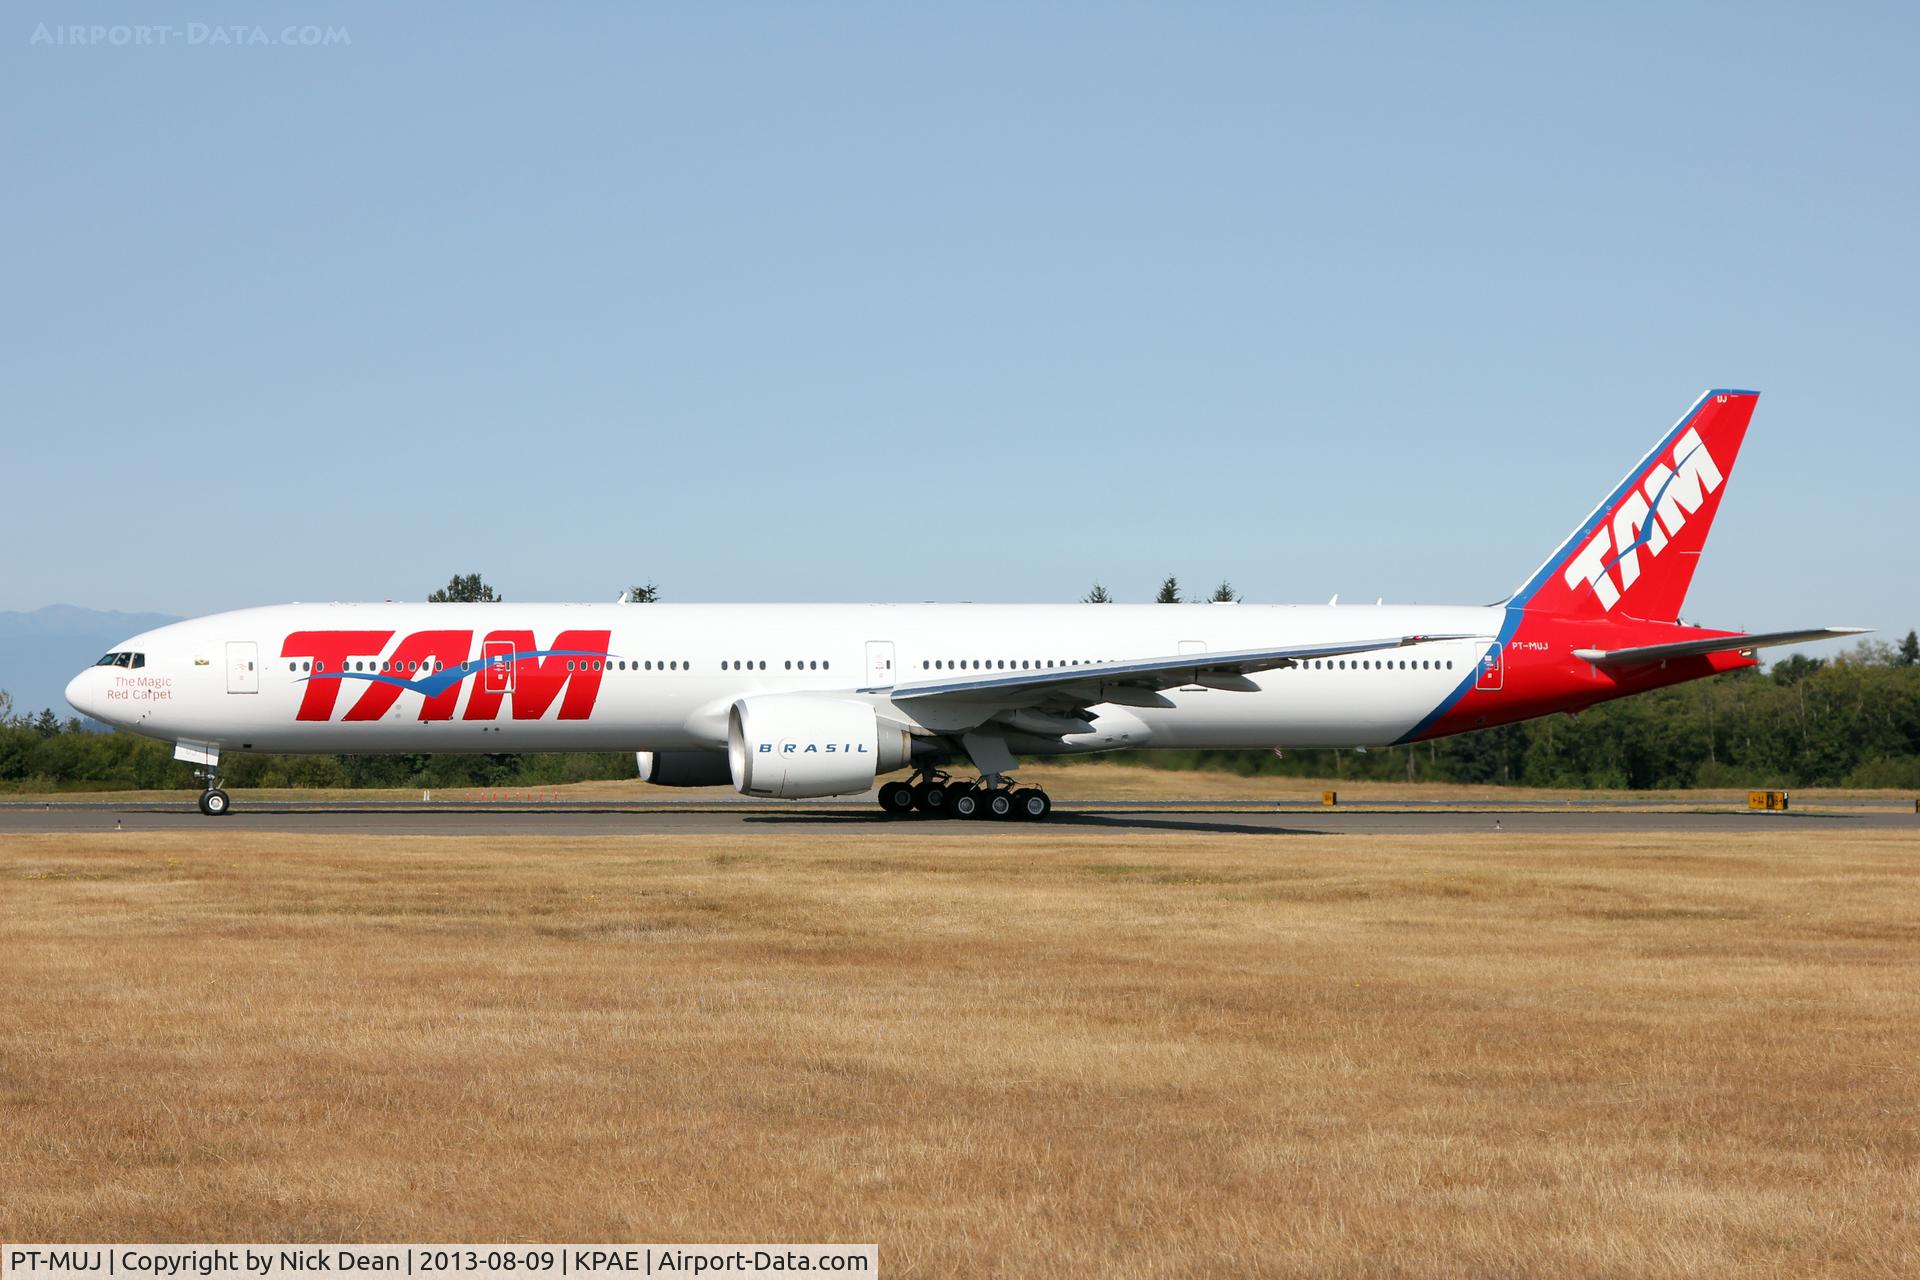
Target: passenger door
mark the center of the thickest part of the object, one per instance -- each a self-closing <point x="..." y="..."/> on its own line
<point x="496" y="666"/>
<point x="243" y="666"/>
<point x="880" y="664"/>
<point x="1489" y="678"/>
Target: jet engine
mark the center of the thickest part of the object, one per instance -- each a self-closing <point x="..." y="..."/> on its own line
<point x="684" y="768"/>
<point x="798" y="745"/>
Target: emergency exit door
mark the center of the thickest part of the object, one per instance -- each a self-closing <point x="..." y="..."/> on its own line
<point x="243" y="666"/>
<point x="880" y="664"/>
<point x="1193" y="646"/>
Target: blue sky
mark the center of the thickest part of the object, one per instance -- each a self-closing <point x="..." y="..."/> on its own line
<point x="909" y="302"/>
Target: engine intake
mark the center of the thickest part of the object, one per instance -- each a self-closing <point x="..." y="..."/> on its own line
<point x="794" y="746"/>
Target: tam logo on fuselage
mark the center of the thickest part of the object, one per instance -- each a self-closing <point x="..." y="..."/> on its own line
<point x="1645" y="520"/>
<point x="436" y="665"/>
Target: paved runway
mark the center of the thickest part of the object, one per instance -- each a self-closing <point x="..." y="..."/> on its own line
<point x="744" y="820"/>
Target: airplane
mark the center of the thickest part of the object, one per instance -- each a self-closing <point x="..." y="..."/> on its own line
<point x="793" y="701"/>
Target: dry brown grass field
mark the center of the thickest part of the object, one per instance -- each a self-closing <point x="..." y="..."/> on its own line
<point x="1038" y="1053"/>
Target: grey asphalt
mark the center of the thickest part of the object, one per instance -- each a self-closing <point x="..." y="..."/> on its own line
<point x="615" y="820"/>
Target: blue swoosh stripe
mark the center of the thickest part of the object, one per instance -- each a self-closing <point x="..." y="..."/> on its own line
<point x="440" y="681"/>
<point x="1645" y="534"/>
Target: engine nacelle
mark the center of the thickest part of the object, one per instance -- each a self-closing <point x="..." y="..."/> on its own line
<point x="684" y="768"/>
<point x="798" y="745"/>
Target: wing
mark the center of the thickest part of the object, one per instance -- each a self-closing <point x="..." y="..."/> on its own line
<point x="1130" y="683"/>
<point x="1712" y="644"/>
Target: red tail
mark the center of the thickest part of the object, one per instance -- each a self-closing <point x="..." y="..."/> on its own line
<point x="1634" y="557"/>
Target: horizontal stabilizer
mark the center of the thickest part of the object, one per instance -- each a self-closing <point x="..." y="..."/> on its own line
<point x="1711" y="644"/>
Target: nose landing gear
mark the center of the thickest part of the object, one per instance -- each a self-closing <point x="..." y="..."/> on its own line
<point x="213" y="801"/>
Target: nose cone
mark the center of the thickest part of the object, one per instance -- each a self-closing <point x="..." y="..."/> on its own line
<point x="83" y="694"/>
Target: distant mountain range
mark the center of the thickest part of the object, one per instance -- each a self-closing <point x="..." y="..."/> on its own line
<point x="40" y="651"/>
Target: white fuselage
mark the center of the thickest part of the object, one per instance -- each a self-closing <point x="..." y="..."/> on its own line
<point x="670" y="672"/>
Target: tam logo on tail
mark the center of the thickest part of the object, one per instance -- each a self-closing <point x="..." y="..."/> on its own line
<point x="1646" y="520"/>
<point x="1636" y="553"/>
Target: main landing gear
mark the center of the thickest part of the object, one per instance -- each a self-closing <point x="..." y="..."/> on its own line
<point x="938" y="795"/>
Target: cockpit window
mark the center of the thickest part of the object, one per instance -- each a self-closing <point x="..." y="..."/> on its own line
<point x="125" y="659"/>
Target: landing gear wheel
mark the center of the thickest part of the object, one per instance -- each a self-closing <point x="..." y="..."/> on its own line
<point x="214" y="803"/>
<point x="1031" y="804"/>
<point x="955" y="790"/>
<point x="897" y="797"/>
<point x="968" y="804"/>
<point x="931" y="798"/>
<point x="999" y="804"/>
